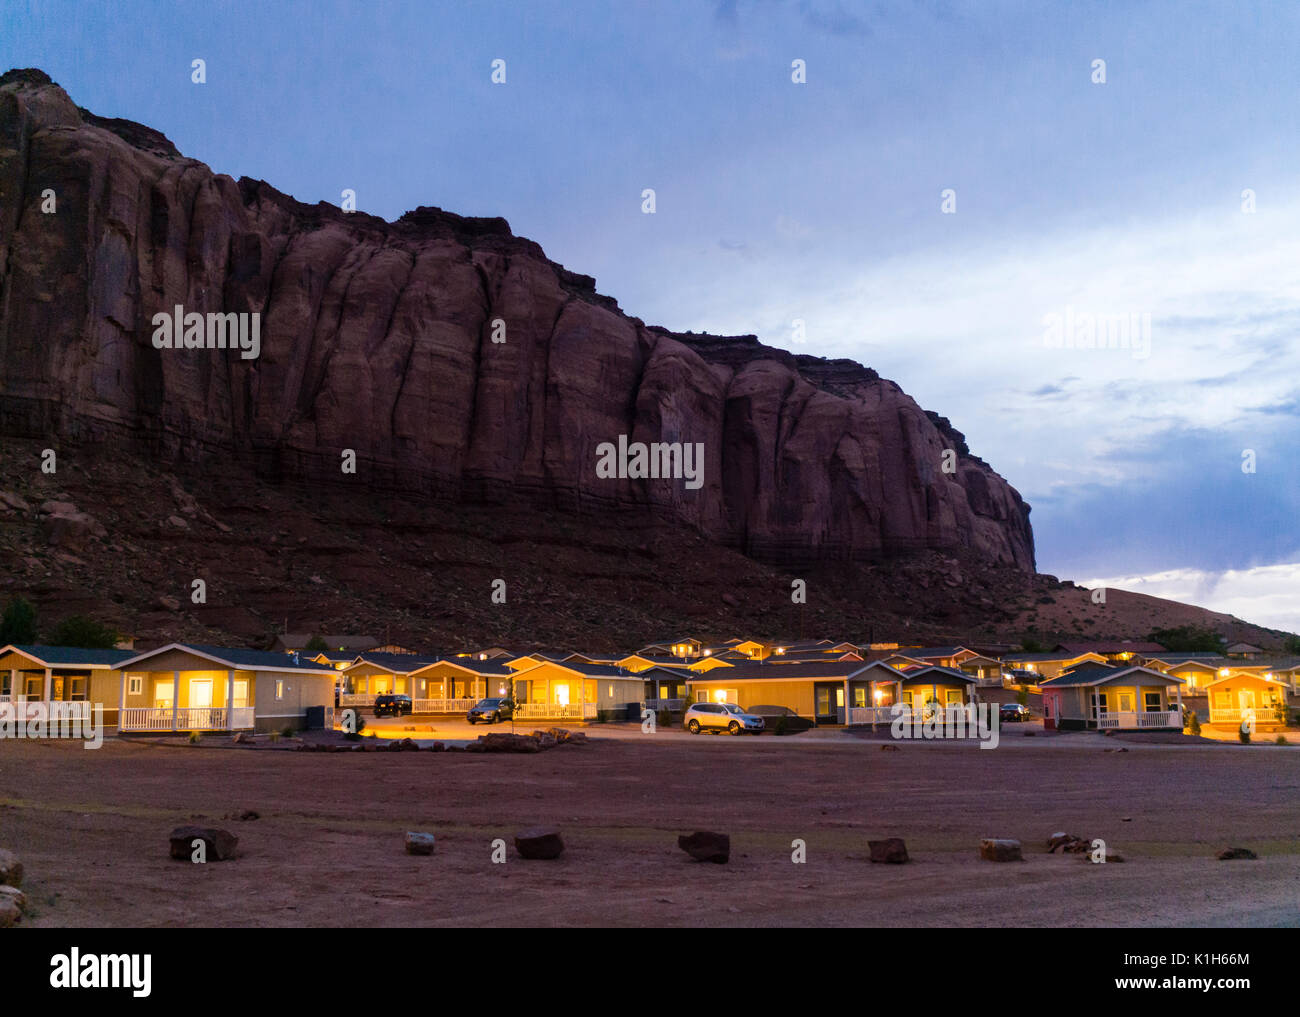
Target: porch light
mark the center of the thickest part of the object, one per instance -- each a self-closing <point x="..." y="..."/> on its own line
<point x="1223" y="672"/>
<point x="879" y="695"/>
<point x="780" y="649"/>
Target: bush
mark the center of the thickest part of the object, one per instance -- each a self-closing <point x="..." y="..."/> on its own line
<point x="287" y="731"/>
<point x="780" y="727"/>
<point x="1193" y="723"/>
<point x="80" y="631"/>
<point x="1243" y="735"/>
<point x="1281" y="740"/>
<point x="19" y="622"/>
<point x="195" y="737"/>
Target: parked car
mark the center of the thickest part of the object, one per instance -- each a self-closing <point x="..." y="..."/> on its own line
<point x="1011" y="713"/>
<point x="721" y="717"/>
<point x="389" y="705"/>
<point x="490" y="711"/>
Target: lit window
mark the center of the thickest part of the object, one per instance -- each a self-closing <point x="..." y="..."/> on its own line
<point x="279" y="688"/>
<point x="135" y="685"/>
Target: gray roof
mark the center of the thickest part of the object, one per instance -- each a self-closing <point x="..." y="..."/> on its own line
<point x="798" y="670"/>
<point x="73" y="656"/>
<point x="921" y="675"/>
<point x="240" y="659"/>
<point x="398" y="663"/>
<point x="1100" y="674"/>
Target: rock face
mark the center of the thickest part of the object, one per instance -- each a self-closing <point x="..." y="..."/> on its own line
<point x="378" y="337"/>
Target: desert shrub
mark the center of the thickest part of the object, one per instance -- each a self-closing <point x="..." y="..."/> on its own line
<point x="1281" y="740"/>
<point x="780" y="727"/>
<point x="1243" y="734"/>
<point x="195" y="737"/>
<point x="287" y="731"/>
<point x="1193" y="723"/>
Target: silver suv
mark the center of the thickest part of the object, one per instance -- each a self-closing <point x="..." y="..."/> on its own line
<point x="721" y="717"/>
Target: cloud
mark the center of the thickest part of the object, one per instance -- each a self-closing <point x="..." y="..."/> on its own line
<point x="1264" y="595"/>
<point x="832" y="19"/>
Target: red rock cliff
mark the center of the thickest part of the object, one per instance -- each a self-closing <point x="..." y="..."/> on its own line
<point x="376" y="337"/>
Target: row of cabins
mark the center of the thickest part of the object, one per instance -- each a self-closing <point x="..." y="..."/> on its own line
<point x="187" y="687"/>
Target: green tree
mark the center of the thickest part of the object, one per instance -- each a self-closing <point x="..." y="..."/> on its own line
<point x="18" y="625"/>
<point x="78" y="630"/>
<point x="316" y="645"/>
<point x="1188" y="638"/>
<point x="1291" y="644"/>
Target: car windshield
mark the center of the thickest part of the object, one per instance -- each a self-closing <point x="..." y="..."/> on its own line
<point x="490" y="702"/>
<point x="732" y="708"/>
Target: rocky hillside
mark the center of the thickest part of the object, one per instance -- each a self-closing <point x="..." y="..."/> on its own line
<point x="378" y="338"/>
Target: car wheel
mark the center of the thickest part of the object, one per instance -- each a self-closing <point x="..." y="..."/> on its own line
<point x="471" y="721"/>
<point x="734" y="728"/>
<point x="693" y="727"/>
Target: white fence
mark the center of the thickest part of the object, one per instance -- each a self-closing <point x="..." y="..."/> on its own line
<point x="442" y="705"/>
<point x="555" y="711"/>
<point x="673" y="705"/>
<point x="191" y="718"/>
<point x="1138" y="719"/>
<point x="871" y="714"/>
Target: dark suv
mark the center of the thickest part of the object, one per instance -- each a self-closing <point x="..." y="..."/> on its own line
<point x="392" y="706"/>
<point x="490" y="710"/>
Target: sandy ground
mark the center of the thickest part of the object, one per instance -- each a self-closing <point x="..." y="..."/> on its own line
<point x="91" y="828"/>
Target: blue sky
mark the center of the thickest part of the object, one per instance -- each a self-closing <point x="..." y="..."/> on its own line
<point x="822" y="202"/>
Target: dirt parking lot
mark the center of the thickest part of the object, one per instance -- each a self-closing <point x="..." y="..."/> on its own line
<point x="91" y="828"/>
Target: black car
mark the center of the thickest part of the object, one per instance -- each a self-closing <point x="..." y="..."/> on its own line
<point x="490" y="710"/>
<point x="1011" y="713"/>
<point x="392" y="706"/>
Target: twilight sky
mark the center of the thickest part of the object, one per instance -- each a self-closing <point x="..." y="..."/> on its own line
<point x="821" y="201"/>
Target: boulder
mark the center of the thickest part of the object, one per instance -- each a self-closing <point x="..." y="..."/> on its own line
<point x="419" y="843"/>
<point x="11" y="869"/>
<point x="15" y="896"/>
<point x="10" y="914"/>
<point x="243" y="738"/>
<point x="71" y="531"/>
<point x="891" y="850"/>
<point x="704" y="846"/>
<point x="1068" y="843"/>
<point x="220" y="843"/>
<point x="539" y="842"/>
<point x="993" y="849"/>
<point x="1230" y="854"/>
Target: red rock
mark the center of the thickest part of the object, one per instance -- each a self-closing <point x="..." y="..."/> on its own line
<point x="376" y="337"/>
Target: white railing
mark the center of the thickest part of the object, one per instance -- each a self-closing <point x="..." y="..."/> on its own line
<point x="1137" y="719"/>
<point x="871" y="714"/>
<point x="191" y="718"/>
<point x="555" y="711"/>
<point x="442" y="705"/>
<point x="46" y="710"/>
<point x="672" y="705"/>
<point x="357" y="699"/>
<point x="1262" y="715"/>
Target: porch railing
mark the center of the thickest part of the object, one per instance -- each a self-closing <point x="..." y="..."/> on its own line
<point x="555" y="711"/>
<point x="1138" y="719"/>
<point x="441" y="705"/>
<point x="357" y="699"/>
<point x="190" y="718"/>
<point x="1260" y="715"/>
<point x="871" y="714"/>
<point x="672" y="705"/>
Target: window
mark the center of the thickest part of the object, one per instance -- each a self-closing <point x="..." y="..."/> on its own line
<point x="162" y="695"/>
<point x="952" y="696"/>
<point x="241" y="693"/>
<point x="77" y="689"/>
<point x="135" y="685"/>
<point x="279" y="689"/>
<point x="1152" y="700"/>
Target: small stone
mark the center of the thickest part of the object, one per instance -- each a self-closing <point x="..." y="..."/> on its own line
<point x="419" y="843"/>
<point x="891" y="851"/>
<point x="14" y="896"/>
<point x="993" y="849"/>
<point x="1230" y="854"/>
<point x="542" y="842"/>
<point x="10" y="914"/>
<point x="11" y="869"/>
<point x="220" y="844"/>
<point x="705" y="846"/>
<point x="889" y="748"/>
